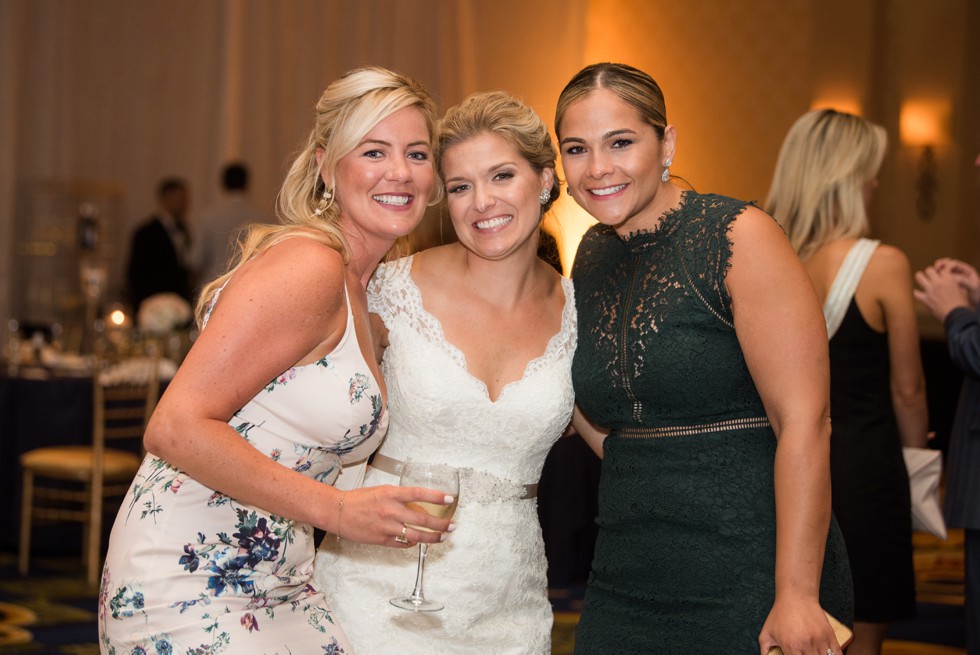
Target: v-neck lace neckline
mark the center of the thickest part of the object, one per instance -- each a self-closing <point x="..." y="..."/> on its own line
<point x="414" y="294"/>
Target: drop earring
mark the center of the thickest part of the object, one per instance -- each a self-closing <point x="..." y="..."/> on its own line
<point x="325" y="201"/>
<point x="544" y="196"/>
<point x="665" y="177"/>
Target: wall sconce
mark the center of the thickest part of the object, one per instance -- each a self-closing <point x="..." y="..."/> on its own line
<point x="922" y="125"/>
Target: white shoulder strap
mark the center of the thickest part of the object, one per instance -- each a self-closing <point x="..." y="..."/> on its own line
<point x="842" y="290"/>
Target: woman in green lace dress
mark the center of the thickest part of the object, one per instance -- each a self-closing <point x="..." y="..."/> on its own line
<point x="702" y="380"/>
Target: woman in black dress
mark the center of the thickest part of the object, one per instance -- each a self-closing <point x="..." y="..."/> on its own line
<point x="824" y="178"/>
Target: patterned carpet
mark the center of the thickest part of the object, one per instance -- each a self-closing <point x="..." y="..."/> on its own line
<point x="50" y="613"/>
<point x="53" y="611"/>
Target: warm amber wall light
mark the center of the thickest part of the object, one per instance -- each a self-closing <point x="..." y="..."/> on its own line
<point x="923" y="122"/>
<point x="923" y="125"/>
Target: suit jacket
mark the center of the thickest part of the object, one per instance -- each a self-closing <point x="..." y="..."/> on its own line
<point x="963" y="462"/>
<point x="155" y="266"/>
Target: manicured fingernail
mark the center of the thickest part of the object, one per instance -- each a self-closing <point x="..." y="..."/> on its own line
<point x="452" y="526"/>
<point x="448" y="500"/>
<point x="442" y="536"/>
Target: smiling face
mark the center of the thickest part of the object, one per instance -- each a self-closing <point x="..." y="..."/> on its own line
<point x="382" y="185"/>
<point x="613" y="161"/>
<point x="494" y="195"/>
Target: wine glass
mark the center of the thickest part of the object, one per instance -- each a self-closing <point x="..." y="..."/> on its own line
<point x="431" y="476"/>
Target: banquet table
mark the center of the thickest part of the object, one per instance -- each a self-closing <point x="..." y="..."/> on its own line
<point x="35" y="411"/>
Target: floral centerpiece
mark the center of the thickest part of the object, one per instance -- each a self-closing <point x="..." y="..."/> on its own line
<point x="167" y="318"/>
<point x="163" y="313"/>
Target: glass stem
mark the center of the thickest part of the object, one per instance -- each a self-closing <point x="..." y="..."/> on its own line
<point x="417" y="596"/>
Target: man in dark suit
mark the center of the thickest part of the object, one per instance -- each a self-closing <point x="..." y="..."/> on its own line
<point x="159" y="252"/>
<point x="950" y="289"/>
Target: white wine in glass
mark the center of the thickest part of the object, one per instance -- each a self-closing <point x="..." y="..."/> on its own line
<point x="439" y="511"/>
<point x="431" y="476"/>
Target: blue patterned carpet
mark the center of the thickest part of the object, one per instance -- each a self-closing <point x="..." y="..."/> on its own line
<point x="52" y="612"/>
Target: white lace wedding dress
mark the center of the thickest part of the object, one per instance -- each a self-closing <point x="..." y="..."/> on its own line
<point x="490" y="572"/>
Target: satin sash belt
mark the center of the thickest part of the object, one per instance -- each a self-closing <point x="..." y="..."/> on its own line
<point x="480" y="487"/>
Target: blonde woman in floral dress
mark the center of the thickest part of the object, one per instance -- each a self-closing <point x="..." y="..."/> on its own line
<point x="212" y="550"/>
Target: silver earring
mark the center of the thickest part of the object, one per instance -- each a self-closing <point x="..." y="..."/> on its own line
<point x="544" y="196"/>
<point x="665" y="177"/>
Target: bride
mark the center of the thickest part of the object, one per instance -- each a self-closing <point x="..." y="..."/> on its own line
<point x="480" y="337"/>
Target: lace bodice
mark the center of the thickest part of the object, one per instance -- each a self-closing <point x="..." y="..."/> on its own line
<point x="439" y="410"/>
<point x="657" y="322"/>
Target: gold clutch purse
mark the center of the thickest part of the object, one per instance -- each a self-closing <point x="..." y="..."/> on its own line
<point x="841" y="631"/>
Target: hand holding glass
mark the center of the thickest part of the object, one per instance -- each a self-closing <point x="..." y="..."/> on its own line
<point x="432" y="476"/>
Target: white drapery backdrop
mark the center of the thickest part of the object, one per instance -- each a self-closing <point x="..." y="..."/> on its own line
<point x="121" y="94"/>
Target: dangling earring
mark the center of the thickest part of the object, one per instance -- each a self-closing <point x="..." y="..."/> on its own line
<point x="325" y="200"/>
<point x="665" y="177"/>
<point x="544" y="196"/>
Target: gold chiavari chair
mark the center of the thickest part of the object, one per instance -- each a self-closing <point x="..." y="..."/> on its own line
<point x="74" y="483"/>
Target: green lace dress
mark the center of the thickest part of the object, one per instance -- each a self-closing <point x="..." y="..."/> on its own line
<point x="685" y="557"/>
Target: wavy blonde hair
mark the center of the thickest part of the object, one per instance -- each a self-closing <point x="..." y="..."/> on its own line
<point x="817" y="191"/>
<point x="348" y="109"/>
<point x="500" y="113"/>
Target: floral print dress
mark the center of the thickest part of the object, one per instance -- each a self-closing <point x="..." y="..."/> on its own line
<point x="193" y="571"/>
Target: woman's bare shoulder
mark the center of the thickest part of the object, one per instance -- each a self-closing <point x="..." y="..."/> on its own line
<point x="888" y="265"/>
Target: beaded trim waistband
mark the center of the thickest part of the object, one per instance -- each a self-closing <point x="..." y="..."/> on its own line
<point x="690" y="430"/>
<point x="480" y="487"/>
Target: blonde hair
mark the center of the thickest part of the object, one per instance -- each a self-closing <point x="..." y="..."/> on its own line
<point x="817" y="191"/>
<point x="631" y="85"/>
<point x="502" y="114"/>
<point x="348" y="109"/>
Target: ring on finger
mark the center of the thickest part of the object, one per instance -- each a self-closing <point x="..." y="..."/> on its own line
<point x="402" y="539"/>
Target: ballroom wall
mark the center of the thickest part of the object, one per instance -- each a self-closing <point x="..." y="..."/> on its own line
<point x="113" y="95"/>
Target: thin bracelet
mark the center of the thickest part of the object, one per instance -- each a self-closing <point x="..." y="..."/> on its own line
<point x="340" y="512"/>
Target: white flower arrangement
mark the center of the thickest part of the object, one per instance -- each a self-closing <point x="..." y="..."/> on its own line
<point x="162" y="313"/>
